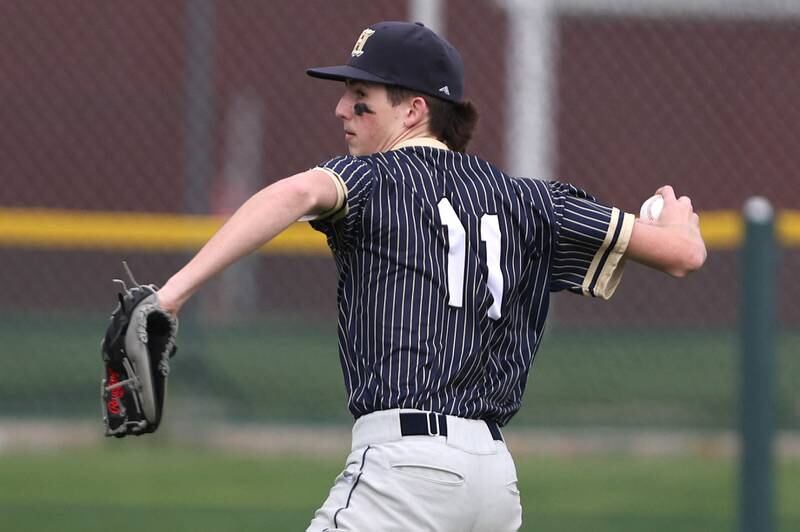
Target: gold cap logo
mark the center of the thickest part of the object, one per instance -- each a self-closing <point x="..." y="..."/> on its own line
<point x="358" y="49"/>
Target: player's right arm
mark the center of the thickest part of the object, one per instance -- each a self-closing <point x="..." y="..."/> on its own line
<point x="262" y="217"/>
<point x="673" y="243"/>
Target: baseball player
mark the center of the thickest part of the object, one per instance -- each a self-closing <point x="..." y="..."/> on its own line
<point x="446" y="265"/>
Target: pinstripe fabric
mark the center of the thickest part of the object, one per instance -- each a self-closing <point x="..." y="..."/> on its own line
<point x="402" y="342"/>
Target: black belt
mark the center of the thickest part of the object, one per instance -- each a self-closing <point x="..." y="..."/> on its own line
<point x="433" y="424"/>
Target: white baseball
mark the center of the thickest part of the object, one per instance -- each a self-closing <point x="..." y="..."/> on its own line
<point x="651" y="208"/>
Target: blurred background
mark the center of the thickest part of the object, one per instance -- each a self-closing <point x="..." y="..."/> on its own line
<point x="130" y="130"/>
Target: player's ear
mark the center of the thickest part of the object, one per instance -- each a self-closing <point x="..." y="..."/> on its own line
<point x="417" y="111"/>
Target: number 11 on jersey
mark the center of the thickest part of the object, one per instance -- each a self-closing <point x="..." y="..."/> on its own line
<point x="456" y="256"/>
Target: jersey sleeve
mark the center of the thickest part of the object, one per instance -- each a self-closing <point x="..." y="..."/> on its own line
<point x="590" y="242"/>
<point x="353" y="178"/>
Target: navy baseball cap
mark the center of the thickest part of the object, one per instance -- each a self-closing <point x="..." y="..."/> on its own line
<point x="404" y="54"/>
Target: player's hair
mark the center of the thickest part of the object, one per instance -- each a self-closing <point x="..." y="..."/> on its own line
<point x="451" y="122"/>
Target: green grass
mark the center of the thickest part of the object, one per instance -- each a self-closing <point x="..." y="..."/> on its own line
<point x="135" y="486"/>
<point x="281" y="369"/>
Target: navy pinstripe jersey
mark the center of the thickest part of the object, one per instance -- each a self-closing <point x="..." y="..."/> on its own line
<point x="446" y="265"/>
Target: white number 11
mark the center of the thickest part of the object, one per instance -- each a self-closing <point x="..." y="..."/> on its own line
<point x="456" y="256"/>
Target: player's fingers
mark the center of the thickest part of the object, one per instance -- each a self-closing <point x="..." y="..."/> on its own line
<point x="685" y="200"/>
<point x="695" y="219"/>
<point x="666" y="192"/>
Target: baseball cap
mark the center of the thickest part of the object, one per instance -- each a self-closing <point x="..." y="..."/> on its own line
<point x="405" y="54"/>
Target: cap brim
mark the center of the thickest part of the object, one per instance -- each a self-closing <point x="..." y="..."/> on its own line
<point x="343" y="73"/>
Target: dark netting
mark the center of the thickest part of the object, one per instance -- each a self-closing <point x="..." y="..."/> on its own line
<point x="188" y="108"/>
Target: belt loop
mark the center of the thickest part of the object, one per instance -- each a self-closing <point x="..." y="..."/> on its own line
<point x="434" y="416"/>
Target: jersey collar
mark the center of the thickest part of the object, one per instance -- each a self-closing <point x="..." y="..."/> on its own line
<point x="424" y="142"/>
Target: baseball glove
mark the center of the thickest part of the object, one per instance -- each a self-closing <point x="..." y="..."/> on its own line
<point x="139" y="341"/>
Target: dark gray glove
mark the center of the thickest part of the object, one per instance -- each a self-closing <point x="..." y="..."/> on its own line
<point x="138" y="343"/>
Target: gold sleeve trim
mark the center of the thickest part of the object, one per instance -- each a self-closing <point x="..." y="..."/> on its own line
<point x="614" y="264"/>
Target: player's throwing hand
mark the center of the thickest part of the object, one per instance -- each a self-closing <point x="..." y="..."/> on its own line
<point x="670" y="241"/>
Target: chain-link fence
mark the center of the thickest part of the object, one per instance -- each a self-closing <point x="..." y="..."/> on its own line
<point x="174" y="109"/>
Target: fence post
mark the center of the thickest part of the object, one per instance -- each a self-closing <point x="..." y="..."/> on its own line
<point x="199" y="118"/>
<point x="200" y="40"/>
<point x="758" y="367"/>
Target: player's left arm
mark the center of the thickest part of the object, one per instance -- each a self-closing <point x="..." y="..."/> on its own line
<point x="262" y="217"/>
<point x="673" y="243"/>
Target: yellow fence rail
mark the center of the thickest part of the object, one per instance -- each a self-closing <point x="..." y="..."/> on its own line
<point x="135" y="231"/>
<point x="63" y="229"/>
